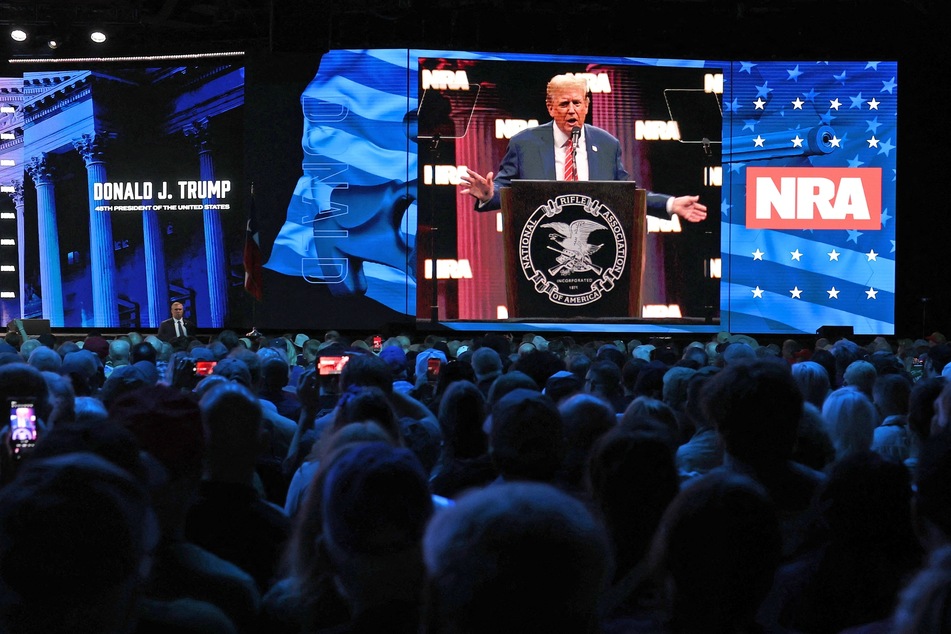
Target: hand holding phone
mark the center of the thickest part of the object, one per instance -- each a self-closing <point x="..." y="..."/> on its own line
<point x="22" y="435"/>
<point x="204" y="368"/>
<point x="432" y="369"/>
<point x="331" y="365"/>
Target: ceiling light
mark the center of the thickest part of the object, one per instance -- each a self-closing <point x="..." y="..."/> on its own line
<point x="52" y="44"/>
<point x="18" y="34"/>
<point x="98" y="37"/>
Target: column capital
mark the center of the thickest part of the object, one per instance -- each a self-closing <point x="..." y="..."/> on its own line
<point x="17" y="194"/>
<point x="92" y="147"/>
<point x="199" y="131"/>
<point x="40" y="169"/>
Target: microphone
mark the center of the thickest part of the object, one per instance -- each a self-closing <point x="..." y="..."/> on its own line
<point x="575" y="136"/>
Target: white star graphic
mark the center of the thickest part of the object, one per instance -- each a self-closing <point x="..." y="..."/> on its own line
<point x="871" y="293"/>
<point x="758" y="141"/>
<point x="797" y="142"/>
<point x="834" y="104"/>
<point x="833" y="293"/>
<point x="873" y="104"/>
<point x="758" y="255"/>
<point x="833" y="255"/>
<point x="834" y="141"/>
<point x="759" y="103"/>
<point x="797" y="105"/>
<point x="873" y="142"/>
<point x="871" y="255"/>
<point x="796" y="255"/>
<point x="757" y="293"/>
<point x="796" y="293"/>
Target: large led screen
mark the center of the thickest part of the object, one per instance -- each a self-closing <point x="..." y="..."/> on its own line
<point x="668" y="121"/>
<point x="794" y="161"/>
<point x="127" y="188"/>
<point x="124" y="193"/>
<point x="809" y="179"/>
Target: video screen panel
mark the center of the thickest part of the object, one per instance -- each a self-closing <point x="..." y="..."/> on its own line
<point x="640" y="102"/>
<point x="338" y="222"/>
<point x="809" y="180"/>
<point x="355" y="157"/>
<point x="372" y="144"/>
<point x="125" y="193"/>
<point x="388" y="134"/>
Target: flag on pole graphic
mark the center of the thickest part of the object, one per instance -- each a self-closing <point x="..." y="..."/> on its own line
<point x="252" y="254"/>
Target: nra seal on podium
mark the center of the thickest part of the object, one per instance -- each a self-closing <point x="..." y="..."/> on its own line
<point x="573" y="249"/>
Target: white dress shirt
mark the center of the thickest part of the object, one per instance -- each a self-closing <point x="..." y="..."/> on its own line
<point x="581" y="156"/>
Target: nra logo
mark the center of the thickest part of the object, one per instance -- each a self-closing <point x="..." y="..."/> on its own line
<point x="445" y="79"/>
<point x="443" y="174"/>
<point x="507" y="128"/>
<point x="597" y="83"/>
<point x="447" y="269"/>
<point x="813" y="198"/>
<point x="656" y="131"/>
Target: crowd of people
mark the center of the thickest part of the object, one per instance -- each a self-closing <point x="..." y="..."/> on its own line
<point x="341" y="484"/>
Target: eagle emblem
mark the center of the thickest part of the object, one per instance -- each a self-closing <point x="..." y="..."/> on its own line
<point x="574" y="250"/>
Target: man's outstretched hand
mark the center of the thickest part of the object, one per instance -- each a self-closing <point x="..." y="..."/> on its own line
<point x="689" y="208"/>
<point x="482" y="187"/>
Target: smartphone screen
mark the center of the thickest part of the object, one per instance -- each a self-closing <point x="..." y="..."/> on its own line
<point x="204" y="368"/>
<point x="432" y="368"/>
<point x="331" y="365"/>
<point x="22" y="427"/>
<point x="377" y="343"/>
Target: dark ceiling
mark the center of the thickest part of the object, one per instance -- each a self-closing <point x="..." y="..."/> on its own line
<point x="652" y="28"/>
<point x="135" y="27"/>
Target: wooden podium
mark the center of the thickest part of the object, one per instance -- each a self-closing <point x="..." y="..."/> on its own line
<point x="574" y="250"/>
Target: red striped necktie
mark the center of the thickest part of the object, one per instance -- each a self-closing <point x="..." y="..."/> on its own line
<point x="570" y="173"/>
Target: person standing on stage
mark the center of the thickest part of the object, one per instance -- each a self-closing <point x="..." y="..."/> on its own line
<point x="176" y="326"/>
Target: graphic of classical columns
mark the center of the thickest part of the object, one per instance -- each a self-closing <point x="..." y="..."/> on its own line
<point x="17" y="196"/>
<point x="51" y="276"/>
<point x="101" y="249"/>
<point x="156" y="278"/>
<point x="214" y="239"/>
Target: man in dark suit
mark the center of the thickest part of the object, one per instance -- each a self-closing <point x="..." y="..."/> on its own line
<point x="176" y="326"/>
<point x="544" y="151"/>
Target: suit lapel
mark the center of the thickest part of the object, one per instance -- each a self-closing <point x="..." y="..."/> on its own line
<point x="546" y="153"/>
<point x="596" y="170"/>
